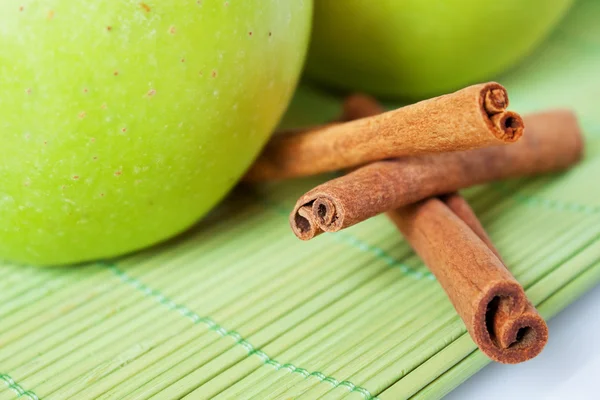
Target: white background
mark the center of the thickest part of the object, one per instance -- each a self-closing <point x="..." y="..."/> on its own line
<point x="568" y="368"/>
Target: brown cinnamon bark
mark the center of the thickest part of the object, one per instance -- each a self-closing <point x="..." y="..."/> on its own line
<point x="492" y="304"/>
<point x="552" y="142"/>
<point x="461" y="208"/>
<point x="469" y="118"/>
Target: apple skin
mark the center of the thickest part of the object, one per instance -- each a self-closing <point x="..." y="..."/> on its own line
<point x="123" y="122"/>
<point x="422" y="48"/>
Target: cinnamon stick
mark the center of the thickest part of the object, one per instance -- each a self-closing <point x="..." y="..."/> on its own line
<point x="359" y="105"/>
<point x="552" y="142"/>
<point x="492" y="304"/>
<point x="469" y="118"/>
<point x="461" y="208"/>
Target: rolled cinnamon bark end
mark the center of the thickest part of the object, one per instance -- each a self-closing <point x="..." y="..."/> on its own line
<point x="495" y="98"/>
<point x="509" y="126"/>
<point x="452" y="122"/>
<point x="487" y="297"/>
<point x="553" y="142"/>
<point x="326" y="212"/>
<point x="303" y="223"/>
<point x="506" y="327"/>
<point x="528" y="336"/>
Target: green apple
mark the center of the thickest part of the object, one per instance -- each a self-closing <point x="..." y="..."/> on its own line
<point x="421" y="48"/>
<point x="123" y="122"/>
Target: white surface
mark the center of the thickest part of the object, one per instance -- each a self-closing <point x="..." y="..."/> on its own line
<point x="568" y="368"/>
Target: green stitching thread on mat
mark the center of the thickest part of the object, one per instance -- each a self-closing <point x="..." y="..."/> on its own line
<point x="15" y="387"/>
<point x="212" y="325"/>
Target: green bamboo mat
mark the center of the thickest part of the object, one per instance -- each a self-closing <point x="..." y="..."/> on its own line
<point x="239" y="308"/>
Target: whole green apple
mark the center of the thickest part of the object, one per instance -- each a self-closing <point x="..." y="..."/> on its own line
<point x="422" y="48"/>
<point x="123" y="122"/>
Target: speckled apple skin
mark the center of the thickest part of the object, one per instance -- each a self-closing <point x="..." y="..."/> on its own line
<point x="415" y="49"/>
<point x="123" y="122"/>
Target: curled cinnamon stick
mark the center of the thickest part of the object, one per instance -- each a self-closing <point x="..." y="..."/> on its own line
<point x="493" y="305"/>
<point x="469" y="118"/>
<point x="552" y="142"/>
